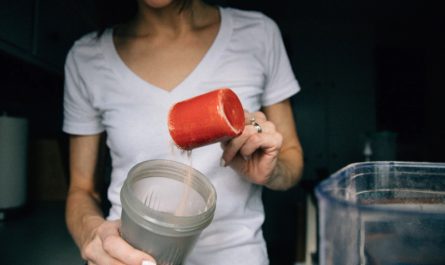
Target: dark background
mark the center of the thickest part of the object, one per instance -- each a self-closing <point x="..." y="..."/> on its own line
<point x="368" y="69"/>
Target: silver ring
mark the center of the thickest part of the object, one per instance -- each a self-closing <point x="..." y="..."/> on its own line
<point x="257" y="127"/>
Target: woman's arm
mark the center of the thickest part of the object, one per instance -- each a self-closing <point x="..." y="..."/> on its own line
<point x="83" y="213"/>
<point x="99" y="240"/>
<point x="289" y="168"/>
<point x="272" y="157"/>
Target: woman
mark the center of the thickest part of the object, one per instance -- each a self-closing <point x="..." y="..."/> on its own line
<point x="123" y="82"/>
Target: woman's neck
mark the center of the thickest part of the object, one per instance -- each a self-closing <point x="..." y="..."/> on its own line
<point x="171" y="20"/>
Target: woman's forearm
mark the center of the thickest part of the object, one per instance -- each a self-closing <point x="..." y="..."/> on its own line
<point x="289" y="167"/>
<point x="288" y="170"/>
<point x="83" y="215"/>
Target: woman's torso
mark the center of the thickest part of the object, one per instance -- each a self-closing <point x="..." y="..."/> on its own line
<point x="133" y="111"/>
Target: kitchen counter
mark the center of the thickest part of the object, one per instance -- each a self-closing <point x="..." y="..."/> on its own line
<point x="38" y="236"/>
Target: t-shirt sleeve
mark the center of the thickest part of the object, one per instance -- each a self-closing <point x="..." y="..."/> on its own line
<point x="80" y="116"/>
<point x="280" y="80"/>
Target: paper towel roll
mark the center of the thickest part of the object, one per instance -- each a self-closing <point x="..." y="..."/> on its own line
<point x="13" y="161"/>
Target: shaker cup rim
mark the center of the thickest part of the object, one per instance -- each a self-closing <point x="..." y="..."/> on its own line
<point x="165" y="222"/>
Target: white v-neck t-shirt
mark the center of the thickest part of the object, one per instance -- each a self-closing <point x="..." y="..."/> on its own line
<point x="103" y="94"/>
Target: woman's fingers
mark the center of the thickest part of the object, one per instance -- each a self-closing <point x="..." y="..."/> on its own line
<point x="264" y="142"/>
<point x="251" y="140"/>
<point x="97" y="255"/>
<point x="115" y="245"/>
<point x="257" y="116"/>
<point x="123" y="252"/>
<point x="109" y="248"/>
<point x="231" y="147"/>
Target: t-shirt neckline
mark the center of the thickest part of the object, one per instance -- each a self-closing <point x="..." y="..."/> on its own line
<point x="202" y="70"/>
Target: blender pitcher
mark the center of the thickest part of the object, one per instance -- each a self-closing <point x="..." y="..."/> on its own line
<point x="383" y="213"/>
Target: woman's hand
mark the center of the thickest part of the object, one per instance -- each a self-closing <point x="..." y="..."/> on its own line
<point x="255" y="152"/>
<point x="99" y="240"/>
<point x="268" y="152"/>
<point x="105" y="247"/>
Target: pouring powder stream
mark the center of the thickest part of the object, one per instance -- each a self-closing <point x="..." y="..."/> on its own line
<point x="188" y="186"/>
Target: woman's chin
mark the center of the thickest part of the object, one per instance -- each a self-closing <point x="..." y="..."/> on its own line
<point x="158" y="3"/>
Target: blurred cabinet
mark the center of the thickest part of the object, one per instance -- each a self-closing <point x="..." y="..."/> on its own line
<point x="335" y="109"/>
<point x="16" y="24"/>
<point x="58" y="25"/>
<point x="42" y="31"/>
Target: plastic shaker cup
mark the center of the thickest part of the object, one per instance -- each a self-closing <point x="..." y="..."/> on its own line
<point x="165" y="207"/>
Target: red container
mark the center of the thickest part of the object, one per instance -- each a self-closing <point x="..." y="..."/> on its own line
<point x="208" y="118"/>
